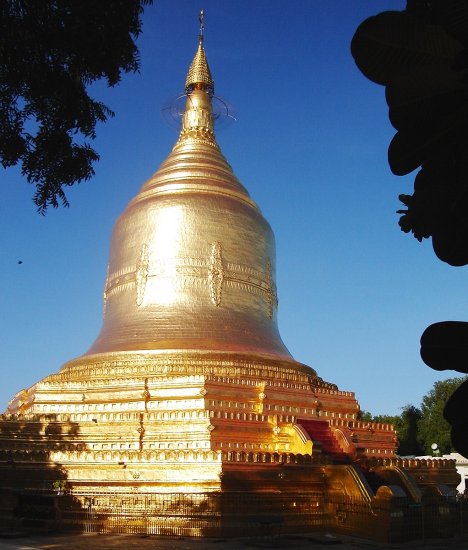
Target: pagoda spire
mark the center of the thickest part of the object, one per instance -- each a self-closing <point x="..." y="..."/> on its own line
<point x="199" y="74"/>
<point x="198" y="120"/>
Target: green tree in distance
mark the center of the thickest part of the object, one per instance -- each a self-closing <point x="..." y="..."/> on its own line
<point x="365" y="416"/>
<point x="50" y="52"/>
<point x="432" y="426"/>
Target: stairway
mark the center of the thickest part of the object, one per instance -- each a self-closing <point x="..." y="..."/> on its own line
<point x="374" y="480"/>
<point x="320" y="432"/>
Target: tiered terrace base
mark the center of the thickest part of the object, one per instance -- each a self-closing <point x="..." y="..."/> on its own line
<point x="200" y="446"/>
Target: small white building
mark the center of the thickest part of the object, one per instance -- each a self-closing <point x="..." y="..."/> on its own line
<point x="462" y="469"/>
<point x="461" y="464"/>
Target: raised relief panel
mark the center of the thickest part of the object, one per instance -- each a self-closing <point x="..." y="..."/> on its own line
<point x="272" y="299"/>
<point x="141" y="275"/>
<point x="216" y="273"/>
<point x="104" y="296"/>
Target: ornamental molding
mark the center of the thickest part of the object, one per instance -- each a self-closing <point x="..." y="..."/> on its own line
<point x="215" y="271"/>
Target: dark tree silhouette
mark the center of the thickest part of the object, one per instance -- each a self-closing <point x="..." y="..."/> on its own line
<point x="409" y="443"/>
<point x="50" y="52"/>
<point x="407" y="430"/>
<point x="420" y="55"/>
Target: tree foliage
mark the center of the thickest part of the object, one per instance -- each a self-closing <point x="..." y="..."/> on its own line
<point x="420" y="55"/>
<point x="50" y="52"/>
<point x="432" y="427"/>
<point x="408" y="431"/>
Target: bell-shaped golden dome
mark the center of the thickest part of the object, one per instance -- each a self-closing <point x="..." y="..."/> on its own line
<point x="192" y="259"/>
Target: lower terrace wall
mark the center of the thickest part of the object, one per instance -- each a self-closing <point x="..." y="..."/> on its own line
<point x="235" y="514"/>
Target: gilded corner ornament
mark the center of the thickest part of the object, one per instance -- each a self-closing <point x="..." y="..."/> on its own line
<point x="216" y="273"/>
<point x="141" y="430"/>
<point x="146" y="395"/>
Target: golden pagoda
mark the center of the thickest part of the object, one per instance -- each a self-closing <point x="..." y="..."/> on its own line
<point x="188" y="403"/>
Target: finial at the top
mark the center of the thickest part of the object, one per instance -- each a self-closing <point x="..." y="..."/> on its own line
<point x="201" y="18"/>
<point x="199" y="74"/>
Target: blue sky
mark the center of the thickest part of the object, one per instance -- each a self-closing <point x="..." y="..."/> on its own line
<point x="310" y="144"/>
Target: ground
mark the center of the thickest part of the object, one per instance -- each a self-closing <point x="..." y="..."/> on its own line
<point x="311" y="542"/>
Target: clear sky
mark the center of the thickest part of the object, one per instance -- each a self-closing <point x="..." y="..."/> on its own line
<point x="310" y="144"/>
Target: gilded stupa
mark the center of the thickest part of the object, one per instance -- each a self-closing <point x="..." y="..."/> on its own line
<point x="188" y="390"/>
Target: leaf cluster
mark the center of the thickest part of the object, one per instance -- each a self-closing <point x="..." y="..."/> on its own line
<point x="421" y="56"/>
<point x="50" y="52"/>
